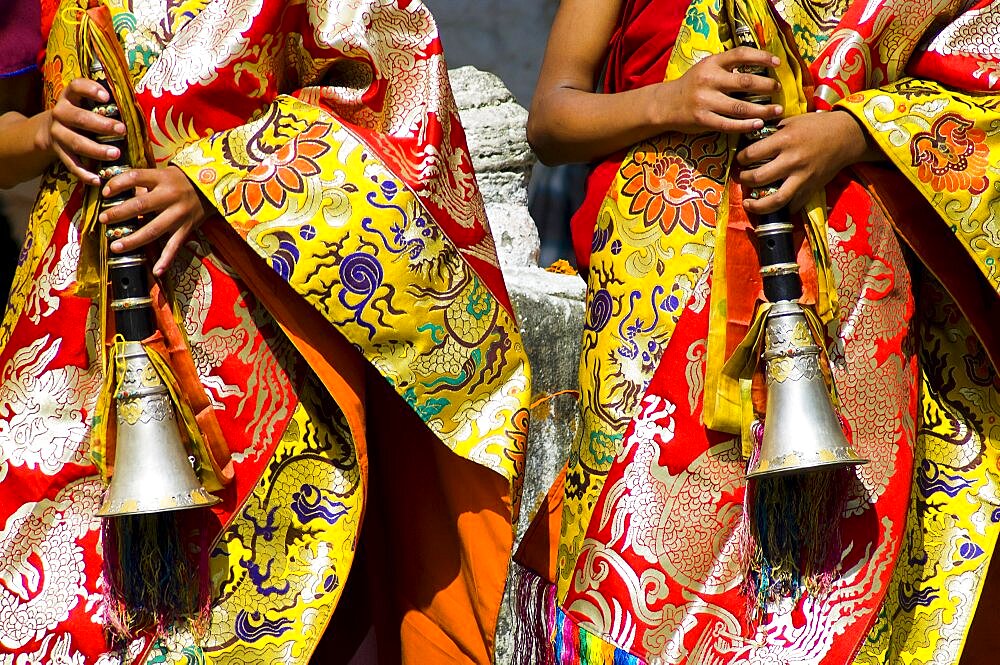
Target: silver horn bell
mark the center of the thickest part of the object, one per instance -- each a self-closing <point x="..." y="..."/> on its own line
<point x="152" y="470"/>
<point x="801" y="429"/>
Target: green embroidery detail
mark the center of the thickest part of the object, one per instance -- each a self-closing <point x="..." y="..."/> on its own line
<point x="697" y="20"/>
<point x="429" y="408"/>
<point x="437" y="332"/>
<point x="603" y="447"/>
<point x="124" y="23"/>
<point x="461" y="378"/>
<point x="480" y="302"/>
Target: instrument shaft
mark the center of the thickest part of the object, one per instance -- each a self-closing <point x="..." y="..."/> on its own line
<point x="128" y="272"/>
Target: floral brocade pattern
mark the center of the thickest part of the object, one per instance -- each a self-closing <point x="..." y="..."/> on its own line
<point x="377" y="267"/>
<point x="941" y="140"/>
<point x="952" y="156"/>
<point x="642" y="279"/>
<point x="668" y="185"/>
<point x="659" y="573"/>
<point x="273" y="180"/>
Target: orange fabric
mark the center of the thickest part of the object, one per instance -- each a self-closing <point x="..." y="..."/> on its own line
<point x="182" y="364"/>
<point x="437" y="527"/>
<point x="429" y="573"/>
<point x="440" y="525"/>
<point x="540" y="544"/>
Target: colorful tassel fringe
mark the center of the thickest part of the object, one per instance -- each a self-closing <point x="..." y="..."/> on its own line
<point x="152" y="575"/>
<point x="576" y="646"/>
<point x="545" y="635"/>
<point x="534" y="617"/>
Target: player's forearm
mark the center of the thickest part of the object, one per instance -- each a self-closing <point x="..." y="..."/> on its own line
<point x="568" y="125"/>
<point x="21" y="157"/>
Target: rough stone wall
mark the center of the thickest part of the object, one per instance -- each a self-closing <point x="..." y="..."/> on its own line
<point x="549" y="306"/>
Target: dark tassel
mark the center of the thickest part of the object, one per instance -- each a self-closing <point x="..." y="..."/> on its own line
<point x="153" y="575"/>
<point x="534" y="618"/>
<point x="793" y="539"/>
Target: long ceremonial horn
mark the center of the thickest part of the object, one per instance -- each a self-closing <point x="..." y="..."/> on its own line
<point x="153" y="472"/>
<point x="801" y="429"/>
<point x="148" y="576"/>
<point x="798" y="479"/>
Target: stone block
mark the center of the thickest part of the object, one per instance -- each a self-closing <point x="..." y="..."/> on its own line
<point x="550" y="310"/>
<point x="549" y="306"/>
<point x="515" y="235"/>
<point x="495" y="128"/>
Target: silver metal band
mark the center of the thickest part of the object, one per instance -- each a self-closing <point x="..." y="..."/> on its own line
<point x="773" y="229"/>
<point x="125" y="261"/>
<point x="792" y="352"/>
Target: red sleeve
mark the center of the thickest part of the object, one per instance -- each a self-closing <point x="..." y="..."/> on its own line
<point x="49" y="8"/>
<point x="640" y="48"/>
<point x="637" y="56"/>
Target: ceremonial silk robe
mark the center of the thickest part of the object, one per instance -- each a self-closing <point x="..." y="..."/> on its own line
<point x="346" y="317"/>
<point x="646" y="528"/>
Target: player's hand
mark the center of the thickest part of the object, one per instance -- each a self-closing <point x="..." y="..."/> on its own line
<point x="65" y="132"/>
<point x="165" y="197"/>
<point x="703" y="98"/>
<point x="806" y="152"/>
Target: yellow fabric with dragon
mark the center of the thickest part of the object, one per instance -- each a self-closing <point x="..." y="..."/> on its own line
<point x="425" y="340"/>
<point x="452" y="352"/>
<point x="437" y="340"/>
<point x="305" y="579"/>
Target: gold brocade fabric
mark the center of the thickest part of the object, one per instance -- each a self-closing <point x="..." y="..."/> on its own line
<point x="942" y="141"/>
<point x="656" y="237"/>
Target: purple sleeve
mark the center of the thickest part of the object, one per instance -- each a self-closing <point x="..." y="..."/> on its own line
<point x="20" y="36"/>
